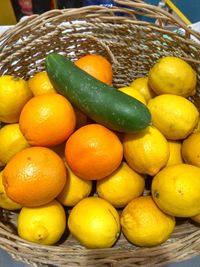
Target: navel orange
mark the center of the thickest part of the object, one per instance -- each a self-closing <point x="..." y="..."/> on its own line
<point x="34" y="176"/>
<point x="93" y="152"/>
<point x="97" y="66"/>
<point x="47" y="120"/>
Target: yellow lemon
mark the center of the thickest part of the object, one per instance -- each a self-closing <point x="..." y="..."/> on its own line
<point x="14" y="93"/>
<point x="74" y="190"/>
<point x="133" y="93"/>
<point x="146" y="151"/>
<point x="5" y="201"/>
<point x="121" y="186"/>
<point x="172" y="75"/>
<point x="191" y="149"/>
<point x="175" y="189"/>
<point x="142" y="85"/>
<point x="144" y="224"/>
<point x="40" y="84"/>
<point x="94" y="222"/>
<point x="175" y="156"/>
<point x="11" y="142"/>
<point x="175" y="116"/>
<point x="44" y="224"/>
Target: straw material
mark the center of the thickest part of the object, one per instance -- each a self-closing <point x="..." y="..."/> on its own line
<point x="132" y="46"/>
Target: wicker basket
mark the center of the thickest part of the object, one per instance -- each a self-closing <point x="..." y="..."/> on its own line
<point x="132" y="46"/>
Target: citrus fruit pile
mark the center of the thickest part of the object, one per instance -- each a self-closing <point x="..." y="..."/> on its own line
<point x="60" y="169"/>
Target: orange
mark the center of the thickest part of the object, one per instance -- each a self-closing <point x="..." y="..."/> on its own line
<point x="40" y="84"/>
<point x="47" y="120"/>
<point x="97" y="66"/>
<point x="93" y="152"/>
<point x="34" y="176"/>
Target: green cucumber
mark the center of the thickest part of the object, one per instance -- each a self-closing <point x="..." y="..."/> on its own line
<point x="102" y="103"/>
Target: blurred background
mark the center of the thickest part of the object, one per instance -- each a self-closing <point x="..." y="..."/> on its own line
<point x="11" y="11"/>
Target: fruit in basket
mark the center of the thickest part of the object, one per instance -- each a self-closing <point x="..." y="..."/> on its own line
<point x="121" y="186"/>
<point x="175" y="189"/>
<point x="11" y="142"/>
<point x="47" y="120"/>
<point x="44" y="224"/>
<point x="34" y="176"/>
<point x="97" y="66"/>
<point x="144" y="224"/>
<point x="142" y="85"/>
<point x="14" y="93"/>
<point x="175" y="116"/>
<point x="95" y="223"/>
<point x="147" y="151"/>
<point x="40" y="84"/>
<point x="134" y="93"/>
<point x="172" y="75"/>
<point x="93" y="152"/>
<point x="191" y="149"/>
<point x="74" y="190"/>
<point x="175" y="156"/>
<point x="5" y="201"/>
<point x="100" y="102"/>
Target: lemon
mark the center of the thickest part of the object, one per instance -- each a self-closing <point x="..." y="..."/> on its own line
<point x="172" y="75"/>
<point x="11" y="142"/>
<point x="14" y="93"/>
<point x="146" y="151"/>
<point x="94" y="222"/>
<point x="121" y="186"/>
<point x="175" y="116"/>
<point x="133" y="93"/>
<point x="175" y="189"/>
<point x="142" y="85"/>
<point x="5" y="201"/>
<point x="74" y="190"/>
<point x="191" y="149"/>
<point x="44" y="224"/>
<point x="144" y="224"/>
<point x="175" y="156"/>
<point x="40" y="84"/>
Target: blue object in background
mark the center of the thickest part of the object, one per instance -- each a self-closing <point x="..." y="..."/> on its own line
<point x="110" y="3"/>
<point x="98" y="2"/>
<point x="191" y="9"/>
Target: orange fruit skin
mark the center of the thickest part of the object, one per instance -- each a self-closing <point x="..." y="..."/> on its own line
<point x="47" y="120"/>
<point x="93" y="152"/>
<point x="34" y="176"/>
<point x="97" y="66"/>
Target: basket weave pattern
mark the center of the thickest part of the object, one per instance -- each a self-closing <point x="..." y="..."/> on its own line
<point x="132" y="46"/>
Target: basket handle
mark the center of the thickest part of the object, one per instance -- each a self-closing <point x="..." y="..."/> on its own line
<point x="98" y="41"/>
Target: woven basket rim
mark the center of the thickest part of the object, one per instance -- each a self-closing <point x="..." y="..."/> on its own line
<point x="91" y="12"/>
